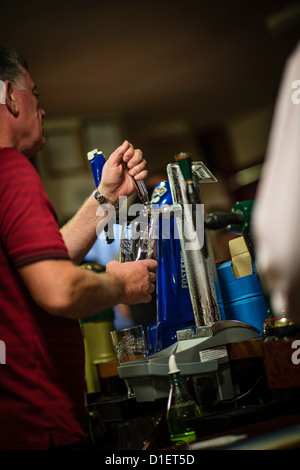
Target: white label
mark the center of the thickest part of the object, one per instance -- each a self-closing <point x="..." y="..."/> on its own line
<point x="213" y="354"/>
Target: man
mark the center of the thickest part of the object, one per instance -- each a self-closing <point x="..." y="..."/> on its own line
<point x="43" y="291"/>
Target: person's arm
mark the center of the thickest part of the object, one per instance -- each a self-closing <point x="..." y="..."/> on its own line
<point x="79" y="233"/>
<point x="63" y="289"/>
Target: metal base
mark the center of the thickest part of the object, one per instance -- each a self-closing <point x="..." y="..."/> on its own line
<point x="214" y="328"/>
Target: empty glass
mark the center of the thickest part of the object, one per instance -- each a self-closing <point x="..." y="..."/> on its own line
<point x="129" y="345"/>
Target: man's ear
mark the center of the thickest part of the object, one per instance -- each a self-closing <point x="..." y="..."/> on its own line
<point x="10" y="98"/>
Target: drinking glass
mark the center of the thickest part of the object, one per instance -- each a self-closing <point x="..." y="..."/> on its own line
<point x="137" y="240"/>
<point x="129" y="345"/>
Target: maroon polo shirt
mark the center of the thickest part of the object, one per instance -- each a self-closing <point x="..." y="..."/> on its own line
<point x="42" y="381"/>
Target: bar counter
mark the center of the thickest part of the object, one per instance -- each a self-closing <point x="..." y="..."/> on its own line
<point x="265" y="412"/>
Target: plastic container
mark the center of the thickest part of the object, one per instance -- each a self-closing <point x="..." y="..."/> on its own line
<point x="243" y="297"/>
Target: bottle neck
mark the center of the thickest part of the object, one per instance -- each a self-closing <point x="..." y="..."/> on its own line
<point x="177" y="384"/>
<point x="175" y="378"/>
<point x="179" y="393"/>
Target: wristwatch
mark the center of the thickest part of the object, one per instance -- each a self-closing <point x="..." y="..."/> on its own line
<point x="102" y="199"/>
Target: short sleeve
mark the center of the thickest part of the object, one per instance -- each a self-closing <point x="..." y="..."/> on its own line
<point x="28" y="222"/>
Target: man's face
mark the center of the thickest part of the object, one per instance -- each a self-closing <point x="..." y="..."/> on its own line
<point x="30" y="119"/>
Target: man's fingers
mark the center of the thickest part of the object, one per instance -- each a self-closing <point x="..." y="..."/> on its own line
<point x="129" y="153"/>
<point x="119" y="153"/>
<point x="136" y="169"/>
<point x="150" y="263"/>
<point x="141" y="176"/>
<point x="151" y="288"/>
<point x="132" y="156"/>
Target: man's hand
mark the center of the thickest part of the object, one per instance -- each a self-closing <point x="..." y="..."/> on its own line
<point x="80" y="232"/>
<point x="136" y="279"/>
<point x="124" y="164"/>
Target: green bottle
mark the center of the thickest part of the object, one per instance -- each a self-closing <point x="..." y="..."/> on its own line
<point x="181" y="407"/>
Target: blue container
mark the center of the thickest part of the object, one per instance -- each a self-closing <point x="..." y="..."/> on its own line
<point x="243" y="297"/>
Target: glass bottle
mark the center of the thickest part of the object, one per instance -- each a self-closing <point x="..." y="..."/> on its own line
<point x="181" y="407"/>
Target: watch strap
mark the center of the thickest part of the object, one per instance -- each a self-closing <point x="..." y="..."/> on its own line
<point x="102" y="199"/>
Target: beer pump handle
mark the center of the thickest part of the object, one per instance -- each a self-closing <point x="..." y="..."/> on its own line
<point x="185" y="163"/>
<point x="219" y="221"/>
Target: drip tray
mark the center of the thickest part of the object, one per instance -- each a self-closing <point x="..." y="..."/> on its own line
<point x="196" y="355"/>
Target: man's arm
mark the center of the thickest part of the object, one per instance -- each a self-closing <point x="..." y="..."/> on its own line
<point x="79" y="233"/>
<point x="69" y="291"/>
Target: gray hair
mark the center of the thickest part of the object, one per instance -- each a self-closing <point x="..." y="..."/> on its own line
<point x="10" y="65"/>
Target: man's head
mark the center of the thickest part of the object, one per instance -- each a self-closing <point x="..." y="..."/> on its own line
<point x="11" y="65"/>
<point x="21" y="115"/>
